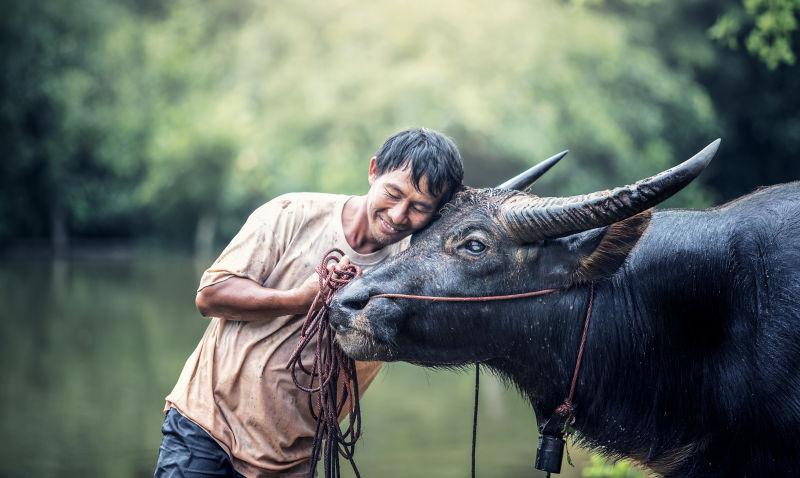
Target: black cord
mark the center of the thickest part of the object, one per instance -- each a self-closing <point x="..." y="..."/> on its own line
<point x="475" y="416"/>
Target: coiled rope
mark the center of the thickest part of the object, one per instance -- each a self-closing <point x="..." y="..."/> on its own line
<point x="331" y="383"/>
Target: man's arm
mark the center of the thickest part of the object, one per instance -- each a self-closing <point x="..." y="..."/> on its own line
<point x="238" y="298"/>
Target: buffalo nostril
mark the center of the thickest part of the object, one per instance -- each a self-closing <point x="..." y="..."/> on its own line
<point x="338" y="318"/>
<point x="352" y="299"/>
<point x="355" y="303"/>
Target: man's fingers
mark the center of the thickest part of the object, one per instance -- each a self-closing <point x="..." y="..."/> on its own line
<point x="342" y="264"/>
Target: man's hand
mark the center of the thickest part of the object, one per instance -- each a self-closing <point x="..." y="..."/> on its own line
<point x="310" y="288"/>
<point x="341" y="265"/>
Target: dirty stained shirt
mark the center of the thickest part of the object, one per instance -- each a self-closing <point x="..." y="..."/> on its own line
<point x="235" y="385"/>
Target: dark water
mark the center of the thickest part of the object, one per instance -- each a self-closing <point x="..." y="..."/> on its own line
<point x="90" y="347"/>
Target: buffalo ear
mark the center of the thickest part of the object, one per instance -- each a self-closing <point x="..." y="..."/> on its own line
<point x="613" y="244"/>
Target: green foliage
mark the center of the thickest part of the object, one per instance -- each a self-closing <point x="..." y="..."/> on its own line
<point x="172" y="119"/>
<point x="767" y="27"/>
<point x="756" y="106"/>
<point x="66" y="121"/>
<point x="599" y="468"/>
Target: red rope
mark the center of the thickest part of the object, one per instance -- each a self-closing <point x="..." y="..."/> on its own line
<point x="566" y="408"/>
<point x="332" y="381"/>
<point x="484" y="298"/>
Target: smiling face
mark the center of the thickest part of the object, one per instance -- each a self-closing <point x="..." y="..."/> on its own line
<point x="395" y="207"/>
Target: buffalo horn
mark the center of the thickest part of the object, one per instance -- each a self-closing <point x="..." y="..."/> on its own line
<point x="522" y="181"/>
<point x="530" y="218"/>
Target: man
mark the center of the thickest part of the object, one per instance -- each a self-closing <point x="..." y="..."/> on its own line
<point x="235" y="410"/>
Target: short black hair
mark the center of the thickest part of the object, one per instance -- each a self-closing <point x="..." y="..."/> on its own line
<point x="429" y="154"/>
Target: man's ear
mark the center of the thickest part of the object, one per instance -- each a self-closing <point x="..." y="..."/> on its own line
<point x="601" y="252"/>
<point x="373" y="170"/>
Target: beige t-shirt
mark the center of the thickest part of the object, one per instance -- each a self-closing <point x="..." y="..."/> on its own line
<point x="235" y="384"/>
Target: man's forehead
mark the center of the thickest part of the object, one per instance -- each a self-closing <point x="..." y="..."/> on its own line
<point x="402" y="180"/>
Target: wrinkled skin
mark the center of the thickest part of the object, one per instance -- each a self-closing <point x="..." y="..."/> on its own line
<point x="691" y="364"/>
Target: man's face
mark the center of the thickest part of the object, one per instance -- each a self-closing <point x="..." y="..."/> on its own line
<point x="395" y="209"/>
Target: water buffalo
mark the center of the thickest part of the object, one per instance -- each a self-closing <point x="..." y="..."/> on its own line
<point x="692" y="359"/>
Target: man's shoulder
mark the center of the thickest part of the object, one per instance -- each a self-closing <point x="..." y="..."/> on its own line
<point x="302" y="198"/>
<point x="305" y="202"/>
<point x="298" y="209"/>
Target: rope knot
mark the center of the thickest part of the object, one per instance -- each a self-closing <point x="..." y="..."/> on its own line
<point x="566" y="409"/>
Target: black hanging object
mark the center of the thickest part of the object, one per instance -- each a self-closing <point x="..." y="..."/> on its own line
<point x="549" y="453"/>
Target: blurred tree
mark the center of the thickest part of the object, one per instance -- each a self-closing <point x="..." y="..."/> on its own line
<point x="175" y="120"/>
<point x="194" y="140"/>
<point x="599" y="468"/>
<point x="330" y="82"/>
<point x="67" y="133"/>
<point x="756" y="99"/>
<point x="767" y="27"/>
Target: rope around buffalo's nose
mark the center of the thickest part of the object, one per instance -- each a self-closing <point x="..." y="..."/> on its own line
<point x="331" y="383"/>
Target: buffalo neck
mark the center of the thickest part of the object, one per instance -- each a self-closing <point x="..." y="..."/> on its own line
<point x="657" y="332"/>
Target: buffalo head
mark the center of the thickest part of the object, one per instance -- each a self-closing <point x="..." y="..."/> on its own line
<point x="490" y="242"/>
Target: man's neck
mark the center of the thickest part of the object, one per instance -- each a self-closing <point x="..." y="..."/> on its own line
<point x="355" y="224"/>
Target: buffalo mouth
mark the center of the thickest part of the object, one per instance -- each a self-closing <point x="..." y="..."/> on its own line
<point x="358" y="337"/>
<point x="360" y="344"/>
<point x="363" y="345"/>
<point x="359" y="341"/>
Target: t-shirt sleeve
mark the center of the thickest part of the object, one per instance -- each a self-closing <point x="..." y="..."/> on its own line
<point x="256" y="249"/>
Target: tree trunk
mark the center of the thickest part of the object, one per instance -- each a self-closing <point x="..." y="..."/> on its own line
<point x="58" y="230"/>
<point x="204" y="234"/>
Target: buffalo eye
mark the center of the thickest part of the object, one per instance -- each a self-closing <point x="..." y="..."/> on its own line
<point x="474" y="247"/>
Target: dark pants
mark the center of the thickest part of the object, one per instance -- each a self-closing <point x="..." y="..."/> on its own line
<point x="187" y="451"/>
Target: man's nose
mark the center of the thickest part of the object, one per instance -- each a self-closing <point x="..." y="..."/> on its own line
<point x="399" y="212"/>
